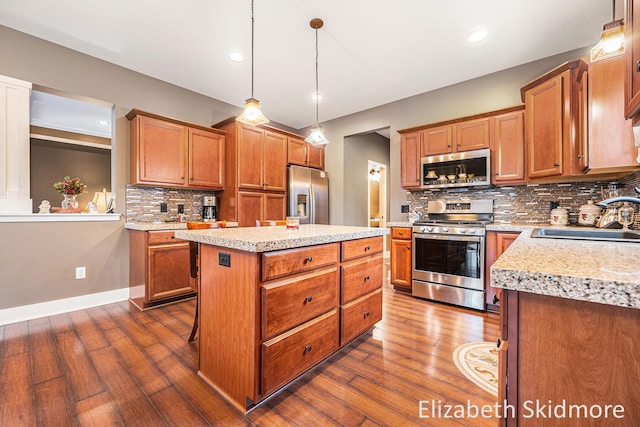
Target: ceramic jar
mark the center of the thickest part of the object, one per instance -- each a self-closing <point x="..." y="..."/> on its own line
<point x="559" y="216"/>
<point x="588" y="213"/>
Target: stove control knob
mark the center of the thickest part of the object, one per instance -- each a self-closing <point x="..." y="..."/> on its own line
<point x="445" y="229"/>
<point x="430" y="229"/>
<point x="472" y="231"/>
<point x="462" y="230"/>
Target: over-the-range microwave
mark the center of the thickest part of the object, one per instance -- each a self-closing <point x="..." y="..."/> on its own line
<point x="463" y="169"/>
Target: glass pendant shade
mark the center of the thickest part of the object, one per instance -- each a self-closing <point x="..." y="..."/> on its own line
<point x="252" y="114"/>
<point x="316" y="137"/>
<point x="611" y="41"/>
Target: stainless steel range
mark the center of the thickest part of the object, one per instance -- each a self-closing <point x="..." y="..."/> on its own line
<point x="449" y="252"/>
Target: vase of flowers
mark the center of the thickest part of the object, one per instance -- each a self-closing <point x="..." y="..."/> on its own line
<point x="70" y="188"/>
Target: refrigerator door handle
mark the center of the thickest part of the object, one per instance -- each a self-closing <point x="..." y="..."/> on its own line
<point x="312" y="204"/>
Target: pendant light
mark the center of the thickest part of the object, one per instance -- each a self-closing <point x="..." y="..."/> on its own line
<point x="316" y="137"/>
<point x="612" y="39"/>
<point x="252" y="114"/>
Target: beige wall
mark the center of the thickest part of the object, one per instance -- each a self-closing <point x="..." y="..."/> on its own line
<point x="38" y="260"/>
<point x="487" y="93"/>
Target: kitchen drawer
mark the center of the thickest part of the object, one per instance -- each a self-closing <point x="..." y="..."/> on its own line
<point x="159" y="237"/>
<point x="290" y="354"/>
<point x="352" y="249"/>
<point x="361" y="277"/>
<point x="360" y="315"/>
<point x="291" y="302"/>
<point x="401" y="233"/>
<point x="293" y="261"/>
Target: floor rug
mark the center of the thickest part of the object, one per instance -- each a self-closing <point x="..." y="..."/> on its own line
<point x="478" y="361"/>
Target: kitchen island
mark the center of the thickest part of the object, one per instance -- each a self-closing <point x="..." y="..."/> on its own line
<point x="570" y="332"/>
<point x="274" y="302"/>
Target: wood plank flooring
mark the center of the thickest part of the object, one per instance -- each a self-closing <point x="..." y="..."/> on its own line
<point x="117" y="366"/>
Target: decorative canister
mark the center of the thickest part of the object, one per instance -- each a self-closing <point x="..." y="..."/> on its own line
<point x="559" y="216"/>
<point x="588" y="213"/>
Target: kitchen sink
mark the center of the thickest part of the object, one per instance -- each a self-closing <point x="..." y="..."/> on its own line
<point x="587" y="234"/>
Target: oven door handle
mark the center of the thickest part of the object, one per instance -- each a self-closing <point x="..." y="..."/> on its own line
<point x="456" y="237"/>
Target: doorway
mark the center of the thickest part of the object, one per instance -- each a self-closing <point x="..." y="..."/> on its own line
<point x="377" y="195"/>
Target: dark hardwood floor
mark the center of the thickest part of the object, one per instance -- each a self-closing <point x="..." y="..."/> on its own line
<point x="115" y="365"/>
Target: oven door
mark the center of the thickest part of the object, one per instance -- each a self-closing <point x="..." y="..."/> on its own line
<point x="449" y="259"/>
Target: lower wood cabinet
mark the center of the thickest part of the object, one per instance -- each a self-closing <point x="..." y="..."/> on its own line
<point x="401" y="258"/>
<point x="497" y="242"/>
<point x="159" y="268"/>
<point x="254" y="206"/>
<point x="359" y="315"/>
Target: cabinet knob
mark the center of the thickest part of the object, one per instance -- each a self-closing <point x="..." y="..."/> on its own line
<point x="400" y="233"/>
<point x="409" y="247"/>
<point x="555" y="165"/>
<point x="307" y="348"/>
<point x="308" y="299"/>
<point x="367" y="278"/>
<point x="366" y="314"/>
<point x="638" y="67"/>
<point x="580" y="156"/>
<point x="498" y="343"/>
<point x="366" y="248"/>
<point x="495" y="299"/>
<point x="182" y="177"/>
<point x="309" y="259"/>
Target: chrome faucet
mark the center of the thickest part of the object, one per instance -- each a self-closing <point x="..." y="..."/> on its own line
<point x="607" y="202"/>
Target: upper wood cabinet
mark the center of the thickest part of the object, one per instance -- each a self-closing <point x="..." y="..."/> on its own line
<point x="467" y="134"/>
<point x="507" y="148"/>
<point x="632" y="60"/>
<point x="170" y="153"/>
<point x="261" y="159"/>
<point x="611" y="143"/>
<point x="410" y="159"/>
<point x="302" y="153"/>
<point x="554" y="121"/>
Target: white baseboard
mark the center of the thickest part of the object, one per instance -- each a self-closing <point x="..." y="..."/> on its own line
<point x="51" y="308"/>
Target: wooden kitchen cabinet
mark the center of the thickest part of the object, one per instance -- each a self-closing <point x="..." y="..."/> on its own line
<point x="159" y="268"/>
<point x="632" y="61"/>
<point x="255" y="205"/>
<point x="611" y="142"/>
<point x="302" y="153"/>
<point x="255" y="174"/>
<point x="472" y="134"/>
<point x="410" y="173"/>
<point x="557" y="350"/>
<point x="401" y="258"/>
<point x="437" y="140"/>
<point x="496" y="243"/>
<point x="554" y="121"/>
<point x="507" y="148"/>
<point x="171" y="153"/>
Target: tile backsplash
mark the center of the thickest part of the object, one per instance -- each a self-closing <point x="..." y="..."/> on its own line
<point x="531" y="202"/>
<point x="143" y="203"/>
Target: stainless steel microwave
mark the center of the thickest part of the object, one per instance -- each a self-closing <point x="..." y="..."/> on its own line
<point x="463" y="169"/>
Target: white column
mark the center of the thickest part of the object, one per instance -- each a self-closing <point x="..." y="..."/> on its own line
<point x="14" y="146"/>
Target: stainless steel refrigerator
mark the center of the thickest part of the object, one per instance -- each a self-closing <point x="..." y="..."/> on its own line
<point x="308" y="195"/>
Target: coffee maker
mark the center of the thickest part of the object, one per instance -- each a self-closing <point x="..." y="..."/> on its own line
<point x="209" y="208"/>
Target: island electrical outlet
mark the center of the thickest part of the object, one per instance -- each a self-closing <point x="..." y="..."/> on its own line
<point x="81" y="273"/>
<point x="224" y="259"/>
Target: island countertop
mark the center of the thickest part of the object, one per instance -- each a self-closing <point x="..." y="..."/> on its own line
<point x="602" y="272"/>
<point x="265" y="239"/>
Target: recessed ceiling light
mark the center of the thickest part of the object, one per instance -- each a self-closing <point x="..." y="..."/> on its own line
<point x="236" y="57"/>
<point x="316" y="97"/>
<point x="478" y="35"/>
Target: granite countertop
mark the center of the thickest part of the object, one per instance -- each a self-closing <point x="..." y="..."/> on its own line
<point x="399" y="224"/>
<point x="154" y="226"/>
<point x="601" y="272"/>
<point x="265" y="239"/>
<point x="515" y="226"/>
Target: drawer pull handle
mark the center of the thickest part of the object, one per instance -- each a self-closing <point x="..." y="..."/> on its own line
<point x="366" y="314"/>
<point x="307" y="348"/>
<point x="367" y="278"/>
<point x="309" y="259"/>
<point x="366" y="248"/>
<point x="400" y="233"/>
<point x="498" y="343"/>
<point x="555" y="165"/>
<point x="495" y="299"/>
<point x="638" y="66"/>
<point x="308" y="299"/>
<point x="409" y="247"/>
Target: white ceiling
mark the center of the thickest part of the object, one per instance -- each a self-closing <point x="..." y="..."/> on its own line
<point x="371" y="52"/>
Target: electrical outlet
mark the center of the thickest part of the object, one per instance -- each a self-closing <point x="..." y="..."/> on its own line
<point x="81" y="272"/>
<point x="404" y="208"/>
<point x="224" y="259"/>
<point x="163" y="207"/>
<point x="180" y="209"/>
